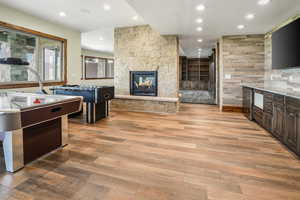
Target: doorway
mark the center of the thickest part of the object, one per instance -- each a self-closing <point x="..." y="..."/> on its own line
<point x="198" y="79"/>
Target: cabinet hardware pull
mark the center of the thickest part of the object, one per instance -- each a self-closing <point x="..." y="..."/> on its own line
<point x="56" y="109"/>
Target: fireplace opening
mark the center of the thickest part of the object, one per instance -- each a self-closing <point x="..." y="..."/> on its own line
<point x="143" y="83"/>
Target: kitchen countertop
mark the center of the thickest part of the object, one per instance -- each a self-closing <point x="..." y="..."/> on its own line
<point x="274" y="90"/>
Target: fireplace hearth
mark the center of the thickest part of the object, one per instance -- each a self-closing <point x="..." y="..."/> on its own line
<point x="143" y="83"/>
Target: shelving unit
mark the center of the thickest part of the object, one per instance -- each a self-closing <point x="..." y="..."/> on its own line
<point x="194" y="73"/>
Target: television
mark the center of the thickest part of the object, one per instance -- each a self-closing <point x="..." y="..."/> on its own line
<point x="286" y="46"/>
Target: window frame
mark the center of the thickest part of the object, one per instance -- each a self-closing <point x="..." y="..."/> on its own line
<point x="27" y="84"/>
<point x="85" y="65"/>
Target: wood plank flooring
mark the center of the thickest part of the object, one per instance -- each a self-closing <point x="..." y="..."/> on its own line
<point x="197" y="154"/>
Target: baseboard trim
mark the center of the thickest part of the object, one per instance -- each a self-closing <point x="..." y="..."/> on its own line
<point x="237" y="109"/>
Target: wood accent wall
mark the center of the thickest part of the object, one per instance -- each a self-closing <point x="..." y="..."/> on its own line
<point x="243" y="60"/>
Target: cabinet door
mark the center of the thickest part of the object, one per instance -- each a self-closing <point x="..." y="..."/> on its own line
<point x="292" y="132"/>
<point x="278" y="121"/>
<point x="247" y="102"/>
<point x="267" y="121"/>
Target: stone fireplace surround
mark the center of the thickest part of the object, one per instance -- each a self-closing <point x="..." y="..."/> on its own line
<point x="140" y="48"/>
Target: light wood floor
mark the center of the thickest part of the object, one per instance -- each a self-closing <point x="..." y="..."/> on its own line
<point x="197" y="154"/>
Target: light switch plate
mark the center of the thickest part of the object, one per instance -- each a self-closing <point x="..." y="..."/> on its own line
<point x="227" y="76"/>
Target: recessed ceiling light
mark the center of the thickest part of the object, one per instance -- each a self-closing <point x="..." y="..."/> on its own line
<point x="199" y="29"/>
<point x="199" y="20"/>
<point x="199" y="50"/>
<point x="200" y="40"/>
<point x="250" y="16"/>
<point x="101" y="38"/>
<point x="106" y="7"/>
<point x="241" y="27"/>
<point x="135" y="17"/>
<point x="62" y="14"/>
<point x="200" y="7"/>
<point x="263" y="2"/>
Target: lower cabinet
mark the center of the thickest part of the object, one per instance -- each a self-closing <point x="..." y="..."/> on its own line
<point x="278" y="121"/>
<point x="292" y="125"/>
<point x="258" y="115"/>
<point x="280" y="116"/>
<point x="268" y="121"/>
<point x="247" y="102"/>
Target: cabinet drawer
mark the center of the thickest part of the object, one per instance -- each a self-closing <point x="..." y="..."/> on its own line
<point x="268" y="121"/>
<point x="258" y="91"/>
<point x="278" y="99"/>
<point x="38" y="115"/>
<point x="268" y="102"/>
<point x="291" y="102"/>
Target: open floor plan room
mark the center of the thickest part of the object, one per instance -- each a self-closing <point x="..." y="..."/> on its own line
<point x="149" y="100"/>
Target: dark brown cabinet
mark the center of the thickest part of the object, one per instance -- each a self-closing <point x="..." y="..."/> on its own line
<point x="278" y="117"/>
<point x="268" y="111"/>
<point x="258" y="115"/>
<point x="292" y="124"/>
<point x="268" y="122"/>
<point x="247" y="102"/>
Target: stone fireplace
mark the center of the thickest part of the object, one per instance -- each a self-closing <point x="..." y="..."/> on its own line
<point x="146" y="70"/>
<point x="143" y="83"/>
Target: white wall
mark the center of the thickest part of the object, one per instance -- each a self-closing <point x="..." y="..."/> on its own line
<point x="12" y="16"/>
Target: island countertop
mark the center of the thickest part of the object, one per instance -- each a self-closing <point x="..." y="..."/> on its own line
<point x="273" y="90"/>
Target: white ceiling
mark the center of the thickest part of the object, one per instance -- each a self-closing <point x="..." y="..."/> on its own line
<point x="86" y="16"/>
<point x="221" y="17"/>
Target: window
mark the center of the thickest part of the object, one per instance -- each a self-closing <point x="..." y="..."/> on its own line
<point x="98" y="68"/>
<point x="110" y="68"/>
<point x="43" y="53"/>
<point x="52" y="63"/>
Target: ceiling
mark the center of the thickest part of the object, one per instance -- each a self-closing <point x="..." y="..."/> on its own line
<point x="177" y="17"/>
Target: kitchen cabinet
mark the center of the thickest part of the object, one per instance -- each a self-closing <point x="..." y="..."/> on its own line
<point x="276" y="112"/>
<point x="292" y="125"/>
<point x="278" y="117"/>
<point x="268" y="111"/>
<point x="247" y="102"/>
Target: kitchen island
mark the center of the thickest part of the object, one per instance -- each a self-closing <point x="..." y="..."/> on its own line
<point x="32" y="125"/>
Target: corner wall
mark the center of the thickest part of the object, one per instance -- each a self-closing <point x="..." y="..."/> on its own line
<point x="242" y="61"/>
